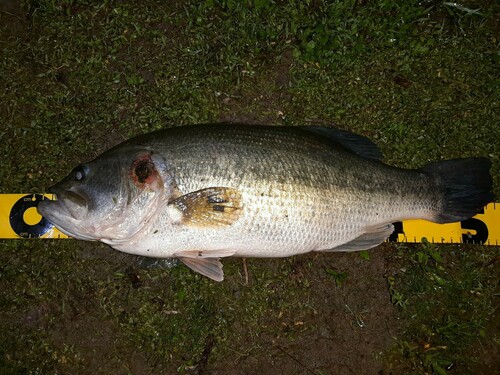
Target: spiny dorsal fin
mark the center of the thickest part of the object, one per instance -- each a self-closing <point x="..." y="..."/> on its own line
<point x="216" y="206"/>
<point x="355" y="143"/>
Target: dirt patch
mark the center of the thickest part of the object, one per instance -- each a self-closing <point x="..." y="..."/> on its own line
<point x="349" y="325"/>
<point x="352" y="323"/>
<point x="95" y="341"/>
<point x="13" y="18"/>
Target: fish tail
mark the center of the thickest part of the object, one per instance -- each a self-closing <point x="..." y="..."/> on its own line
<point x="466" y="186"/>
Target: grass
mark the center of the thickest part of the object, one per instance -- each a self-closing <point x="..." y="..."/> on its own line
<point x="419" y="78"/>
<point x="446" y="294"/>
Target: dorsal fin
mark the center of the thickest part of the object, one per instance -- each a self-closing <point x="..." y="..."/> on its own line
<point x="355" y="143"/>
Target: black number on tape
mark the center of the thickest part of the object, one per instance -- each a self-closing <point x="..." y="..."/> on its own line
<point x="398" y="229"/>
<point x="481" y="231"/>
<point x="16" y="217"/>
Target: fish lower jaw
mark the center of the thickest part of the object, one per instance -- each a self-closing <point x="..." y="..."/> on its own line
<point x="76" y="235"/>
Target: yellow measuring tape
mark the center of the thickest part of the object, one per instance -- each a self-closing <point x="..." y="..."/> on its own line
<point x="20" y="219"/>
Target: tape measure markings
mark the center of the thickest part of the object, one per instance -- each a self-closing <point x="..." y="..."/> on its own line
<point x="15" y="209"/>
<point x="18" y="220"/>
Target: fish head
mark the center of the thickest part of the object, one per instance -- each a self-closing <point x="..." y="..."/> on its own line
<point x="112" y="198"/>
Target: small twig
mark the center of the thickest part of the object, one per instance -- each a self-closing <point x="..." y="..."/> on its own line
<point x="245" y="270"/>
<point x="203" y="361"/>
<point x="310" y="370"/>
<point x="359" y="320"/>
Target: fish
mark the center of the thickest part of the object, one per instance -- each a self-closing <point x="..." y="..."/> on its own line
<point x="205" y="192"/>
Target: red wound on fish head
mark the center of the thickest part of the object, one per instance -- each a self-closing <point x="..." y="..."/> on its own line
<point x="144" y="173"/>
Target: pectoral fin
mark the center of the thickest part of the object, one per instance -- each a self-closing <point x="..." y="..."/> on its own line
<point x="209" y="267"/>
<point x="217" y="206"/>
<point x="373" y="237"/>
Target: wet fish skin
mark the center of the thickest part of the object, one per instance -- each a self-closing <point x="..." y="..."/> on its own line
<point x="204" y="192"/>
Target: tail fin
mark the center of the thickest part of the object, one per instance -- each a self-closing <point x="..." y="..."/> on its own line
<point x="466" y="184"/>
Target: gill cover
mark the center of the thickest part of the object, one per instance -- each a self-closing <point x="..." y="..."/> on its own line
<point x="147" y="186"/>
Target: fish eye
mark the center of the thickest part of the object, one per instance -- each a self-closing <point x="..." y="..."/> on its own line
<point x="79" y="173"/>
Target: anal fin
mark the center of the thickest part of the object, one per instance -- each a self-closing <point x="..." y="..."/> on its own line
<point x="209" y="267"/>
<point x="373" y="237"/>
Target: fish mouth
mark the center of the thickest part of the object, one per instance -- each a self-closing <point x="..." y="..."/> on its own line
<point x="66" y="212"/>
<point x="73" y="203"/>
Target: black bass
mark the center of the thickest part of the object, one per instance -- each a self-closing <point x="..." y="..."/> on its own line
<point x="201" y="193"/>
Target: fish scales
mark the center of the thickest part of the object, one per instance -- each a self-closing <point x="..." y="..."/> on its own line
<point x="295" y="190"/>
<point x="204" y="192"/>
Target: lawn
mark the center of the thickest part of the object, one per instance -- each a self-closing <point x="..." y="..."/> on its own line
<point x="419" y="78"/>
